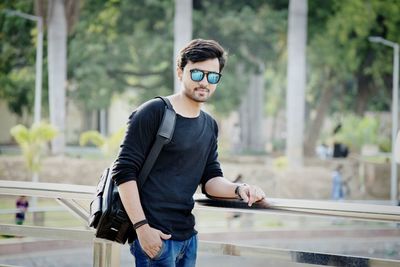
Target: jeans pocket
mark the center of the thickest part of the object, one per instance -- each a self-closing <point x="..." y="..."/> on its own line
<point x="160" y="252"/>
<point x="141" y="253"/>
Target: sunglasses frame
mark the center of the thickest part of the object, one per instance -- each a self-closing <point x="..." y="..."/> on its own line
<point x="205" y="73"/>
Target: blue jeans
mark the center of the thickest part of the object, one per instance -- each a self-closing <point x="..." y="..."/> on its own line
<point x="172" y="254"/>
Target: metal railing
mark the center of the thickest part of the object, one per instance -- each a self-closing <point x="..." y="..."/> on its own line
<point x="105" y="253"/>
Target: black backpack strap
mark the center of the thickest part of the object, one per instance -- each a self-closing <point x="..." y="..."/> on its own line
<point x="166" y="101"/>
<point x="164" y="136"/>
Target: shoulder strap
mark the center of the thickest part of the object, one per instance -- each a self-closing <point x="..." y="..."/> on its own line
<point x="164" y="136"/>
<point x="166" y="101"/>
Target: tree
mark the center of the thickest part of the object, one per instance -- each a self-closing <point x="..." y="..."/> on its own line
<point x="121" y="46"/>
<point x="250" y="32"/>
<point x="57" y="60"/>
<point x="33" y="142"/>
<point x="17" y="58"/>
<point x="346" y="72"/>
<point x="182" y="31"/>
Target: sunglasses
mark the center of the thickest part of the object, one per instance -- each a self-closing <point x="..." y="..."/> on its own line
<point x="212" y="77"/>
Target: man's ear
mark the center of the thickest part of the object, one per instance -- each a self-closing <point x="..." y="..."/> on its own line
<point x="179" y="73"/>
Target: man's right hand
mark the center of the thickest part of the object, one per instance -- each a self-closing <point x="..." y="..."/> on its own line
<point x="150" y="239"/>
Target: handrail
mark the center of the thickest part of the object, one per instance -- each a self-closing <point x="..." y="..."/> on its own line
<point x="309" y="207"/>
<point x="49" y="190"/>
<point x="106" y="253"/>
<point x="47" y="232"/>
<point x="293" y="206"/>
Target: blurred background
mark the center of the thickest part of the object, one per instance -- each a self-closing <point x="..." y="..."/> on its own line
<point x="90" y="63"/>
<point x="307" y="106"/>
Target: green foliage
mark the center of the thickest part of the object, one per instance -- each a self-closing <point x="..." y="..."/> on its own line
<point x="342" y="59"/>
<point x="357" y="131"/>
<point x="254" y="33"/>
<point x="108" y="145"/>
<point x="17" y="57"/>
<point x="385" y="144"/>
<point x="127" y="45"/>
<point x="119" y="46"/>
<point x="93" y="137"/>
<point x="33" y="142"/>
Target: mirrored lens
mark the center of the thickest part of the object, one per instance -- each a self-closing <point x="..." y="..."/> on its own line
<point x="197" y="75"/>
<point x="213" y="78"/>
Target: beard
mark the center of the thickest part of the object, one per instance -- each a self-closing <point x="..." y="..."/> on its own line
<point x="198" y="94"/>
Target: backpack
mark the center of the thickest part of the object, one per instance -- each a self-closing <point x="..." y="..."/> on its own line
<point x="107" y="213"/>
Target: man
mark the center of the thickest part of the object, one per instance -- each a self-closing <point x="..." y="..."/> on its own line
<point x="161" y="213"/>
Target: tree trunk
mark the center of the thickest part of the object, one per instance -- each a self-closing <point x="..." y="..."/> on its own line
<point x="57" y="65"/>
<point x="296" y="81"/>
<point x="182" y="31"/>
<point x="316" y="124"/>
<point x="363" y="94"/>
<point x="251" y="114"/>
<point x="103" y="122"/>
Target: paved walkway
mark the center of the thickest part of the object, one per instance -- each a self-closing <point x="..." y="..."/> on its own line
<point x="378" y="243"/>
<point x="82" y="257"/>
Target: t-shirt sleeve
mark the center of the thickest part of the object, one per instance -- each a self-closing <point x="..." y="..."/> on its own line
<point x="212" y="168"/>
<point x="140" y="135"/>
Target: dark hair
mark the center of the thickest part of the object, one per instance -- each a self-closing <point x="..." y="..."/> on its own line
<point x="200" y="50"/>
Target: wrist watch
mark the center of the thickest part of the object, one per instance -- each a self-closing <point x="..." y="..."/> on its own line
<point x="237" y="190"/>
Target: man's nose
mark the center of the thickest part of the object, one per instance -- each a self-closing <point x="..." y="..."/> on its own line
<point x="204" y="81"/>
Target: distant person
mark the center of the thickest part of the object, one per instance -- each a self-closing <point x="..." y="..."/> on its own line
<point x="323" y="151"/>
<point x="339" y="150"/>
<point x="337" y="183"/>
<point x="22" y="205"/>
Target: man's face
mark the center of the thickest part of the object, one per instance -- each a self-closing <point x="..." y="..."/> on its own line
<point x="199" y="91"/>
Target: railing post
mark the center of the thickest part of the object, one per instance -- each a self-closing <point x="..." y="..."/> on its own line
<point x="105" y="253"/>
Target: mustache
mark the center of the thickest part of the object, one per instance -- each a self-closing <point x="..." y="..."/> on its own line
<point x="202" y="88"/>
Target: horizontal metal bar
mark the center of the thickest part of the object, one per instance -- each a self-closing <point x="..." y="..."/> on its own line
<point x="290" y="206"/>
<point x="47" y="232"/>
<point x="308" y="207"/>
<point x="49" y="190"/>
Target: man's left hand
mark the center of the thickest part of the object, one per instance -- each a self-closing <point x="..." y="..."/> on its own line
<point x="251" y="194"/>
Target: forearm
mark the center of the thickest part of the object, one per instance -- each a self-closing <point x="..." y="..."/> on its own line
<point x="130" y="199"/>
<point x="221" y="187"/>
<point x="149" y="238"/>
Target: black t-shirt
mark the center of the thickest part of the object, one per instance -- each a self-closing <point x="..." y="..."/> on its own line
<point x="188" y="160"/>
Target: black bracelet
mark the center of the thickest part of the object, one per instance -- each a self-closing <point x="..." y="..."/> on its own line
<point x="140" y="223"/>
